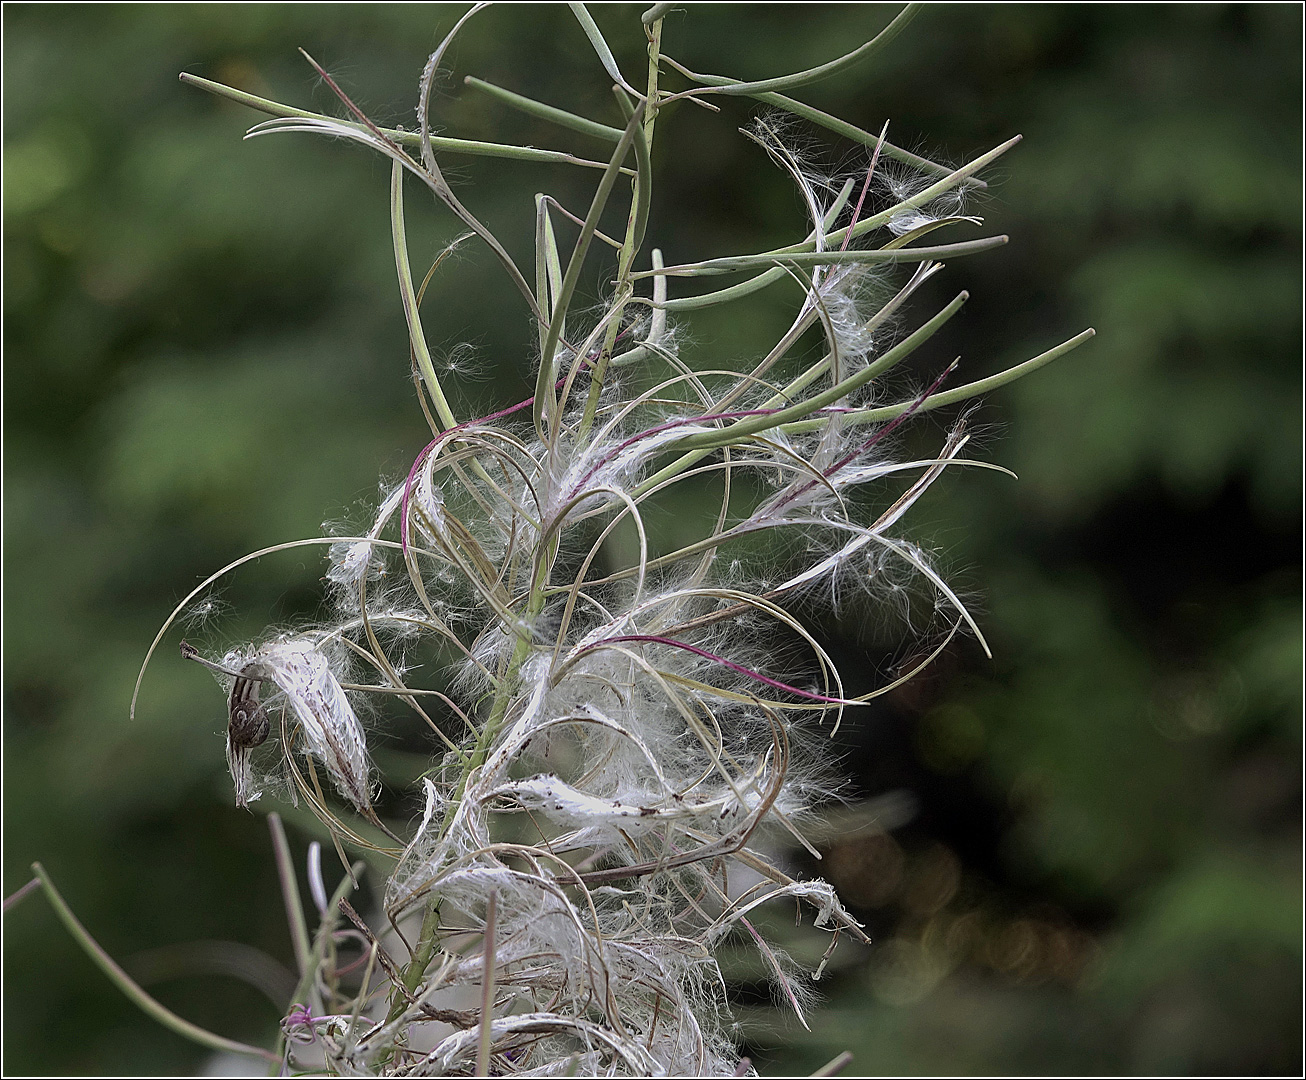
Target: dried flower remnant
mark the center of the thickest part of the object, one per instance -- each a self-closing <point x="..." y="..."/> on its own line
<point x="324" y="719"/>
<point x="621" y="731"/>
<point x="248" y="724"/>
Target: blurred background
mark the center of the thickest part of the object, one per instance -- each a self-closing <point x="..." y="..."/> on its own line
<point x="1095" y="864"/>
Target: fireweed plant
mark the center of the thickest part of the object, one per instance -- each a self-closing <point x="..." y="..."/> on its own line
<point x="618" y="737"/>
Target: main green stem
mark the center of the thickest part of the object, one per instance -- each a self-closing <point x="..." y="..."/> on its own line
<point x="429" y="936"/>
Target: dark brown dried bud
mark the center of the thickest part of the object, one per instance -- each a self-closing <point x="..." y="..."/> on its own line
<point x="249" y="724"/>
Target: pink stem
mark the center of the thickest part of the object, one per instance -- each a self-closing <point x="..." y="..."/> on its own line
<point x="882" y="433"/>
<point x="417" y="464"/>
<point x="857" y="210"/>
<point x="659" y="640"/>
<point x="669" y="425"/>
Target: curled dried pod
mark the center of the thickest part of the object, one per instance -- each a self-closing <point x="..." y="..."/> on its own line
<point x="249" y="724"/>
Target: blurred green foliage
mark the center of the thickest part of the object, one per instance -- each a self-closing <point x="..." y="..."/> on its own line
<point x="204" y="354"/>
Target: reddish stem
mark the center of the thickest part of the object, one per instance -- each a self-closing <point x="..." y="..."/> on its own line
<point x="657" y="639"/>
